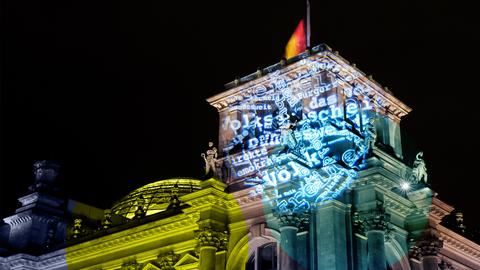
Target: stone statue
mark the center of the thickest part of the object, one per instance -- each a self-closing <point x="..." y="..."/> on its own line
<point x="107" y="219"/>
<point x="210" y="159"/>
<point x="45" y="173"/>
<point x="370" y="134"/>
<point x="77" y="228"/>
<point x="419" y="171"/>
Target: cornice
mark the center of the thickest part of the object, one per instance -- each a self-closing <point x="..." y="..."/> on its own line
<point x="248" y="196"/>
<point x="439" y="209"/>
<point x="464" y="247"/>
<point x="209" y="200"/>
<point x="17" y="219"/>
<point x="397" y="206"/>
<point x="381" y="97"/>
<point x="131" y="237"/>
<point x="22" y="261"/>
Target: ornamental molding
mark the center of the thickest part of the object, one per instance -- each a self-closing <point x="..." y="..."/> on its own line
<point x="249" y="196"/>
<point x="22" y="261"/>
<point x="392" y="202"/>
<point x="439" y="209"/>
<point x="17" y="220"/>
<point x="328" y="62"/>
<point x="401" y="207"/>
<point x="459" y="244"/>
<point x="85" y="249"/>
<point x="212" y="200"/>
<point x="20" y="219"/>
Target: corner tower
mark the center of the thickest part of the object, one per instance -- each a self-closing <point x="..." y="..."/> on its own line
<point x="314" y="144"/>
<point x="315" y="110"/>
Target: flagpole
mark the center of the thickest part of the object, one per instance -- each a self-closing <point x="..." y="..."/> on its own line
<point x="308" y="23"/>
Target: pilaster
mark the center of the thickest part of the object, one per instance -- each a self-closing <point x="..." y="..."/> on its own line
<point x="331" y="235"/>
<point x="290" y="224"/>
<point x="374" y="224"/>
<point x="429" y="247"/>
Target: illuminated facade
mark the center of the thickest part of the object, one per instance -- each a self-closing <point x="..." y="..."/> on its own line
<point x="308" y="174"/>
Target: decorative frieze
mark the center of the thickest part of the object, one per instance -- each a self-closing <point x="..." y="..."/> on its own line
<point x="212" y="200"/>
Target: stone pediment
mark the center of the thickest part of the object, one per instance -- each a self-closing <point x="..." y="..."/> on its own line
<point x="187" y="262"/>
<point x="150" y="266"/>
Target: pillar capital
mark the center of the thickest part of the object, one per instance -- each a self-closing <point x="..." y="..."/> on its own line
<point x="375" y="219"/>
<point x="444" y="265"/>
<point x="293" y="219"/>
<point x="209" y="237"/>
<point x="167" y="261"/>
<point x="426" y="249"/>
<point x="415" y="253"/>
<point x="430" y="243"/>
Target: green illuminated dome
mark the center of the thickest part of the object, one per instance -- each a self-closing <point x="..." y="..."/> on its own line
<point x="154" y="197"/>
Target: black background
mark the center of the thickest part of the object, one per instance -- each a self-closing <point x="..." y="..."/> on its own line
<point x="115" y="90"/>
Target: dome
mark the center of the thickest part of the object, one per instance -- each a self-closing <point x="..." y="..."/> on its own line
<point x="154" y="197"/>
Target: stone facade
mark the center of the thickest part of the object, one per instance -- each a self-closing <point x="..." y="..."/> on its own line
<point x="223" y="223"/>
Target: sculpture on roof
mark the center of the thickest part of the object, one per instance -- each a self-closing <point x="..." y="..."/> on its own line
<point x="419" y="171"/>
<point x="45" y="174"/>
<point x="210" y="159"/>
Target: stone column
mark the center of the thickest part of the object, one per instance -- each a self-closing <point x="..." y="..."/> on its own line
<point x="210" y="241"/>
<point x="376" y="249"/>
<point x="429" y="246"/>
<point x="288" y="246"/>
<point x="374" y="224"/>
<point x="290" y="224"/>
<point x="331" y="235"/>
<point x="207" y="257"/>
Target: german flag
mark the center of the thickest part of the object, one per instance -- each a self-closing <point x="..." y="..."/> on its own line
<point x="297" y="42"/>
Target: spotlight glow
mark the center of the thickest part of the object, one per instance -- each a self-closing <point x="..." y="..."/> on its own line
<point x="405" y="186"/>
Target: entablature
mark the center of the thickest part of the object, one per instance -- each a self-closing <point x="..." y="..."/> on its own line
<point x="303" y="68"/>
<point x="461" y="246"/>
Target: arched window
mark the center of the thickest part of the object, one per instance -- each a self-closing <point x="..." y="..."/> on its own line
<point x="265" y="258"/>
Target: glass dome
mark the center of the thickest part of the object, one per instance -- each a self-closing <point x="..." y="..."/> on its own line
<point x="154" y="197"/>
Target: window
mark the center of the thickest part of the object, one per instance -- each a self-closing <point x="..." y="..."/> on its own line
<point x="265" y="258"/>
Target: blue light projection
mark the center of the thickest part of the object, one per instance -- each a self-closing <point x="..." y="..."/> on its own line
<point x="300" y="139"/>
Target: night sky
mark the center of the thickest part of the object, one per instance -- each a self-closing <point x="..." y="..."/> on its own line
<point x="115" y="90"/>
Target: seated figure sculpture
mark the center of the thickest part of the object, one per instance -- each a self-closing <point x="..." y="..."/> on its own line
<point x="419" y="171"/>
